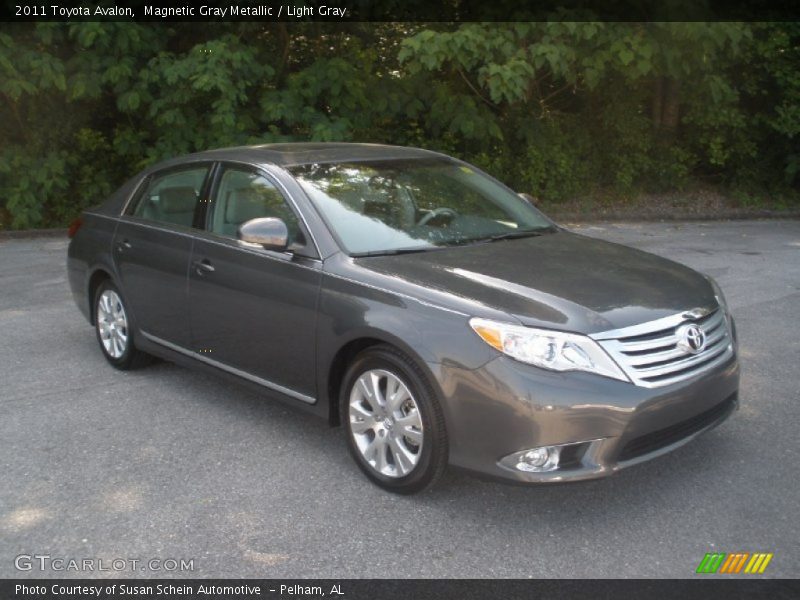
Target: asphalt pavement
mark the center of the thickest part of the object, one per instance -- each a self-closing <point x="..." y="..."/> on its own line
<point x="165" y="463"/>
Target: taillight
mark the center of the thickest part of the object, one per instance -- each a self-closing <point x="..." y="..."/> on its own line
<point x="74" y="226"/>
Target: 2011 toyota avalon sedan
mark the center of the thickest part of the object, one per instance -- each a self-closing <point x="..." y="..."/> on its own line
<point x="434" y="313"/>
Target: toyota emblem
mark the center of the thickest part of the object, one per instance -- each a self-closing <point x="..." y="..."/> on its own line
<point x="691" y="339"/>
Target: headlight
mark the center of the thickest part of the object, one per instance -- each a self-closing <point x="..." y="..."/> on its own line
<point x="554" y="350"/>
<point x="723" y="303"/>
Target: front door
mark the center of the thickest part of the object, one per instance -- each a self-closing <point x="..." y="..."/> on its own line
<point x="253" y="311"/>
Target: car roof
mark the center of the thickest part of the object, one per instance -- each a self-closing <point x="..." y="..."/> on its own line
<point x="283" y="155"/>
<point x="294" y="154"/>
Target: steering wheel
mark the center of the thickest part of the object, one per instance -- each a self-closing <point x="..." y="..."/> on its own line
<point x="442" y="211"/>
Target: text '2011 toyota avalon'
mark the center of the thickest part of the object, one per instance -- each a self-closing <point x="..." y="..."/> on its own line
<point x="436" y="315"/>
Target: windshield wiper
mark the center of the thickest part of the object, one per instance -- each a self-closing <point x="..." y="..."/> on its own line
<point x="393" y="251"/>
<point x="509" y="235"/>
<point x="512" y="235"/>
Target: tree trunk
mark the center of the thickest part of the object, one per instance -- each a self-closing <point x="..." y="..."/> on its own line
<point x="665" y="104"/>
<point x="655" y="107"/>
<point x="670" y="113"/>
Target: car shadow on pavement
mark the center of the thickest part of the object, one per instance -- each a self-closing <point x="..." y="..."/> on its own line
<point x="662" y="482"/>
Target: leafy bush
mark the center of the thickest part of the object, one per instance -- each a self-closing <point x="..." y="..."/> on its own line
<point x="556" y="109"/>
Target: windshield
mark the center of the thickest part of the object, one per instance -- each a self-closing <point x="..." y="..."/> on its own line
<point x="415" y="205"/>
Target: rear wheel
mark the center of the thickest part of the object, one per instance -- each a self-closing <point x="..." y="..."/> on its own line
<point x="393" y="422"/>
<point x="114" y="333"/>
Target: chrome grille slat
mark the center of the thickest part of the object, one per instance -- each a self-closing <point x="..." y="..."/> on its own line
<point x="712" y="321"/>
<point x="647" y="359"/>
<point x="647" y="345"/>
<point x="658" y="361"/>
<point x="715" y="336"/>
<point x="679" y="365"/>
<point x="641" y="360"/>
<point x="681" y="376"/>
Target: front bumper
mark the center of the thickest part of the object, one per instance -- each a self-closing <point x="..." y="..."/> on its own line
<point x="506" y="406"/>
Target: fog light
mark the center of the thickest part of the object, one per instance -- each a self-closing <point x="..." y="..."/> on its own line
<point x="537" y="460"/>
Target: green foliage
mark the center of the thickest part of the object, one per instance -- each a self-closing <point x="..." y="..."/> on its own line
<point x="628" y="106"/>
<point x="558" y="109"/>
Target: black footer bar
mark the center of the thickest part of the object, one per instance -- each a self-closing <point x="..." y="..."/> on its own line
<point x="701" y="588"/>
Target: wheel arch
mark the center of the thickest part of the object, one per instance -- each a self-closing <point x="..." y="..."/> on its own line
<point x="98" y="276"/>
<point x="344" y="355"/>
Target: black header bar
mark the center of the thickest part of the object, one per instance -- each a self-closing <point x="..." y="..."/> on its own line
<point x="339" y="11"/>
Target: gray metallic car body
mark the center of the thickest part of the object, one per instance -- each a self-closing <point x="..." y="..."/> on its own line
<point x="289" y="322"/>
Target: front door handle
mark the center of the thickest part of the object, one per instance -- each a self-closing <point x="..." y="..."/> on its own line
<point x="203" y="266"/>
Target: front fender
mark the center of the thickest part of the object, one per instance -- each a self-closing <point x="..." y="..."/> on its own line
<point x="350" y="310"/>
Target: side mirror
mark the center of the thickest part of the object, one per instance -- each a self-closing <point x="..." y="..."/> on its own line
<point x="269" y="232"/>
<point x="528" y="198"/>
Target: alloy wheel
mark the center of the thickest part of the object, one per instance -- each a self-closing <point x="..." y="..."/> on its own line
<point x="386" y="423"/>
<point x="112" y="324"/>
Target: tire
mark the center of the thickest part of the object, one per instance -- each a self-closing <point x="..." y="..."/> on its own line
<point x="114" y="331"/>
<point x="393" y="422"/>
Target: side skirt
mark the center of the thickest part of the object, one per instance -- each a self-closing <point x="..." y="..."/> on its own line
<point x="185" y="358"/>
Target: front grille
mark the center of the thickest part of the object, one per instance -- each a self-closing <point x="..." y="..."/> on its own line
<point x="651" y="357"/>
<point x="662" y="438"/>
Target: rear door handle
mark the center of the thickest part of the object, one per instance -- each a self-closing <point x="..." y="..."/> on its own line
<point x="123" y="245"/>
<point x="203" y="266"/>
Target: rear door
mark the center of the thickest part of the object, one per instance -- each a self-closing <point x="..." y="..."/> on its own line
<point x="152" y="246"/>
<point x="253" y="311"/>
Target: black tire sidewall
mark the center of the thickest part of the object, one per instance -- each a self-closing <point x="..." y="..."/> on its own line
<point x="431" y="461"/>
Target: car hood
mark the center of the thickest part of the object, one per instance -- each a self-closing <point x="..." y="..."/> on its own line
<point x="557" y="280"/>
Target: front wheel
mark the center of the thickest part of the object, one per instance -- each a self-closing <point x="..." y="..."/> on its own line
<point x="114" y="332"/>
<point x="393" y="422"/>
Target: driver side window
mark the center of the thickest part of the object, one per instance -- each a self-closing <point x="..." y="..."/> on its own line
<point x="243" y="195"/>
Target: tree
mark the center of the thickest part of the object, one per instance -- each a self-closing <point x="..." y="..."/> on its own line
<point x="558" y="109"/>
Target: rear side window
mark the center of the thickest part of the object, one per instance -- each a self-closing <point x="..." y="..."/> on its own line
<point x="171" y="197"/>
